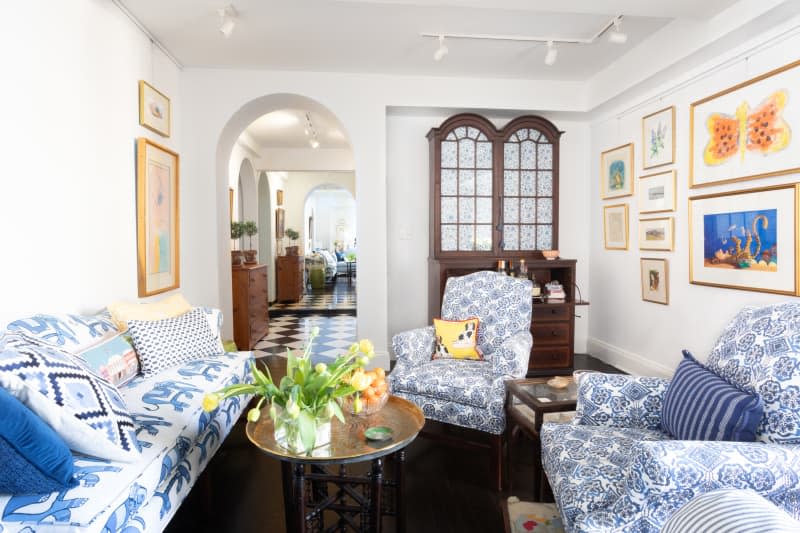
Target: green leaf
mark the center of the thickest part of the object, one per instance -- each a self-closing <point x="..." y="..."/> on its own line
<point x="343" y="391"/>
<point x="308" y="430"/>
<point x="337" y="410"/>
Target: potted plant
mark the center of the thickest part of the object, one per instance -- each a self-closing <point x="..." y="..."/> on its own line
<point x="237" y="230"/>
<point x="293" y="236"/>
<point x="250" y="228"/>
<point x="303" y="403"/>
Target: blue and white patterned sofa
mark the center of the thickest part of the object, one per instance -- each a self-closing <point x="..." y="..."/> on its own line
<point x="616" y="470"/>
<point x="177" y="439"/>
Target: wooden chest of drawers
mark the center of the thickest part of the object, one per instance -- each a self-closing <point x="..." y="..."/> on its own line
<point x="250" y="305"/>
<point x="552" y="329"/>
<point x="291" y="274"/>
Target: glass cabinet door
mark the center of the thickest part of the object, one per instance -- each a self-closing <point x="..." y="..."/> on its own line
<point x="466" y="191"/>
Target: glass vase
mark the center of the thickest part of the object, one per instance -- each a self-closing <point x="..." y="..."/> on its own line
<point x="287" y="434"/>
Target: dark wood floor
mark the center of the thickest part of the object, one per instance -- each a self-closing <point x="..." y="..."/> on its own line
<point x="447" y="488"/>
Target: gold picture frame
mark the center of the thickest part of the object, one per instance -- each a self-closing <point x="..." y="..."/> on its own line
<point x="657" y="234"/>
<point x="615" y="227"/>
<point x="657" y="193"/>
<point x="719" y="225"/>
<point x="230" y="202"/>
<point x="279" y="222"/>
<point x="658" y="138"/>
<point x="155" y="110"/>
<point x="655" y="280"/>
<point x="616" y="172"/>
<point x="750" y="150"/>
<point x="279" y="197"/>
<point x="157" y="218"/>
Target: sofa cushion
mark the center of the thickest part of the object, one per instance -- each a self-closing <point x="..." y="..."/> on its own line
<point x="461" y="381"/>
<point x="456" y="339"/>
<point x="163" y="344"/>
<point x="758" y="352"/>
<point x="70" y="332"/>
<point x="83" y="408"/>
<point x="34" y="457"/>
<point x="699" y="405"/>
<point x="173" y="305"/>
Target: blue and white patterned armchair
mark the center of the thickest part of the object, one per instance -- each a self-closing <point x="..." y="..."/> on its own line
<point x="615" y="469"/>
<point x="466" y="393"/>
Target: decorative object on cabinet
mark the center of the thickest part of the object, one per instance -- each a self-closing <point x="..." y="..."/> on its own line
<point x="616" y="172"/>
<point x="658" y="138"/>
<point x="291" y="277"/>
<point x="655" y="280"/>
<point x="745" y="239"/>
<point x="237" y="230"/>
<point x="293" y="236"/>
<point x="157" y="218"/>
<point x="615" y="227"/>
<point x="154" y="109"/>
<point x="250" y="228"/>
<point x="745" y="132"/>
<point x="657" y="233"/>
<point x="656" y="192"/>
<point x="250" y="306"/>
<point x="550" y="254"/>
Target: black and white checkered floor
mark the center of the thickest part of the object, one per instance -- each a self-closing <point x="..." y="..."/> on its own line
<point x="337" y="296"/>
<point x="336" y="334"/>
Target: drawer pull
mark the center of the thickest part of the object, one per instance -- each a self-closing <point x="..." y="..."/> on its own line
<point x="555" y="333"/>
<point x="553" y="311"/>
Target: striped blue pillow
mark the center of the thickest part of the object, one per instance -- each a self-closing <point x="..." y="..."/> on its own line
<point x="699" y="405"/>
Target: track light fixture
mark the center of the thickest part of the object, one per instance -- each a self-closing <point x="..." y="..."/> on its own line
<point x="551" y="55"/>
<point x="441" y="51"/>
<point x="311" y="132"/>
<point x="616" y="36"/>
<point x="227" y="20"/>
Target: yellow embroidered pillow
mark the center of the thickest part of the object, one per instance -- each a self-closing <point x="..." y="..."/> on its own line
<point x="168" y="307"/>
<point x="456" y="339"/>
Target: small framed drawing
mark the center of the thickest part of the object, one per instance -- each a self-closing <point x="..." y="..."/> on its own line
<point x="230" y="202"/>
<point x="657" y="233"/>
<point x="615" y="227"/>
<point x="616" y="172"/>
<point x="154" y="109"/>
<point x="658" y="138"/>
<point x="157" y="218"/>
<point x="745" y="239"/>
<point x="655" y="283"/>
<point x="745" y="131"/>
<point x="656" y="192"/>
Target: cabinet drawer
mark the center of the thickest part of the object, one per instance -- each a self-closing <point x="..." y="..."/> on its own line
<point x="550" y="312"/>
<point x="550" y="333"/>
<point x="550" y="357"/>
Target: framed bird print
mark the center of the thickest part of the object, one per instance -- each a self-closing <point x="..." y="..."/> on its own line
<point x="746" y="132"/>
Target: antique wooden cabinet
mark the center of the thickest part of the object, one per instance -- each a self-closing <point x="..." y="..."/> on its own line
<point x="250" y="305"/>
<point x="291" y="278"/>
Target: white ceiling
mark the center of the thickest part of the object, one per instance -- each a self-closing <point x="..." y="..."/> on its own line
<point x="383" y="36"/>
<point x="287" y="129"/>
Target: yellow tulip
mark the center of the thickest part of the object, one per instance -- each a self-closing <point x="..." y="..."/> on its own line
<point x="253" y="414"/>
<point x="321" y="368"/>
<point x="357" y="405"/>
<point x="365" y="345"/>
<point x="360" y="381"/>
<point x="210" y="402"/>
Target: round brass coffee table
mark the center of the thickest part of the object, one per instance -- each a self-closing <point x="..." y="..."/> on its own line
<point x="358" y="499"/>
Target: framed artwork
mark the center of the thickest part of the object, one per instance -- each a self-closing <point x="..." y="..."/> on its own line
<point x="658" y="138"/>
<point x="745" y="239"/>
<point x="279" y="221"/>
<point x="657" y="233"/>
<point x="279" y="195"/>
<point x="157" y="218"/>
<point x="745" y="132"/>
<point x="616" y="172"/>
<point x="615" y="227"/>
<point x="230" y="202"/>
<point x="656" y="192"/>
<point x="154" y="109"/>
<point x="655" y="282"/>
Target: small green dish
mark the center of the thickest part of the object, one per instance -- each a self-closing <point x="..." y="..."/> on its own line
<point x="378" y="433"/>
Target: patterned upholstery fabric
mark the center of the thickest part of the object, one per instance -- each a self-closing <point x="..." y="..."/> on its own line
<point x="74" y="333"/>
<point x="469" y="393"/>
<point x="614" y="470"/>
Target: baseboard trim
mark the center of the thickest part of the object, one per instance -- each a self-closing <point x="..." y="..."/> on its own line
<point x="630" y="362"/>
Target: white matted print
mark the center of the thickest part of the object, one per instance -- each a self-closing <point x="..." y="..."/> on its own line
<point x="615" y="227"/>
<point x="655" y="281"/>
<point x="656" y="193"/>
<point x="154" y="109"/>
<point x="616" y="172"/>
<point x="747" y="131"/>
<point x="657" y="233"/>
<point x="658" y="138"/>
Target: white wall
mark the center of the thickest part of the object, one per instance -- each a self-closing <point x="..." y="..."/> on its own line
<point x="68" y="208"/>
<point x="644" y="337"/>
<point x="408" y="187"/>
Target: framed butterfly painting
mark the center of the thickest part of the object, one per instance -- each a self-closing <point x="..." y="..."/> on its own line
<point x="745" y="132"/>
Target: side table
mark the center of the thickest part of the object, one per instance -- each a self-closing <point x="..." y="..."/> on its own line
<point x="529" y="402"/>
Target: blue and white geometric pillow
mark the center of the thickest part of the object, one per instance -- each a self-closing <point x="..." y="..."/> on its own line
<point x="84" y="409"/>
<point x="73" y="333"/>
<point x="163" y="344"/>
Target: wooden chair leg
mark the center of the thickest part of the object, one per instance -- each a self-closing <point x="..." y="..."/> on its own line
<point x="497" y="452"/>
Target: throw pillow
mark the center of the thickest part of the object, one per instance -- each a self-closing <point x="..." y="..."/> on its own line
<point x="122" y="312"/>
<point x="457" y="339"/>
<point x="35" y="460"/>
<point x="163" y="344"/>
<point x="73" y="333"/>
<point x="83" y="408"/>
<point x="113" y="359"/>
<point x="699" y="405"/>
